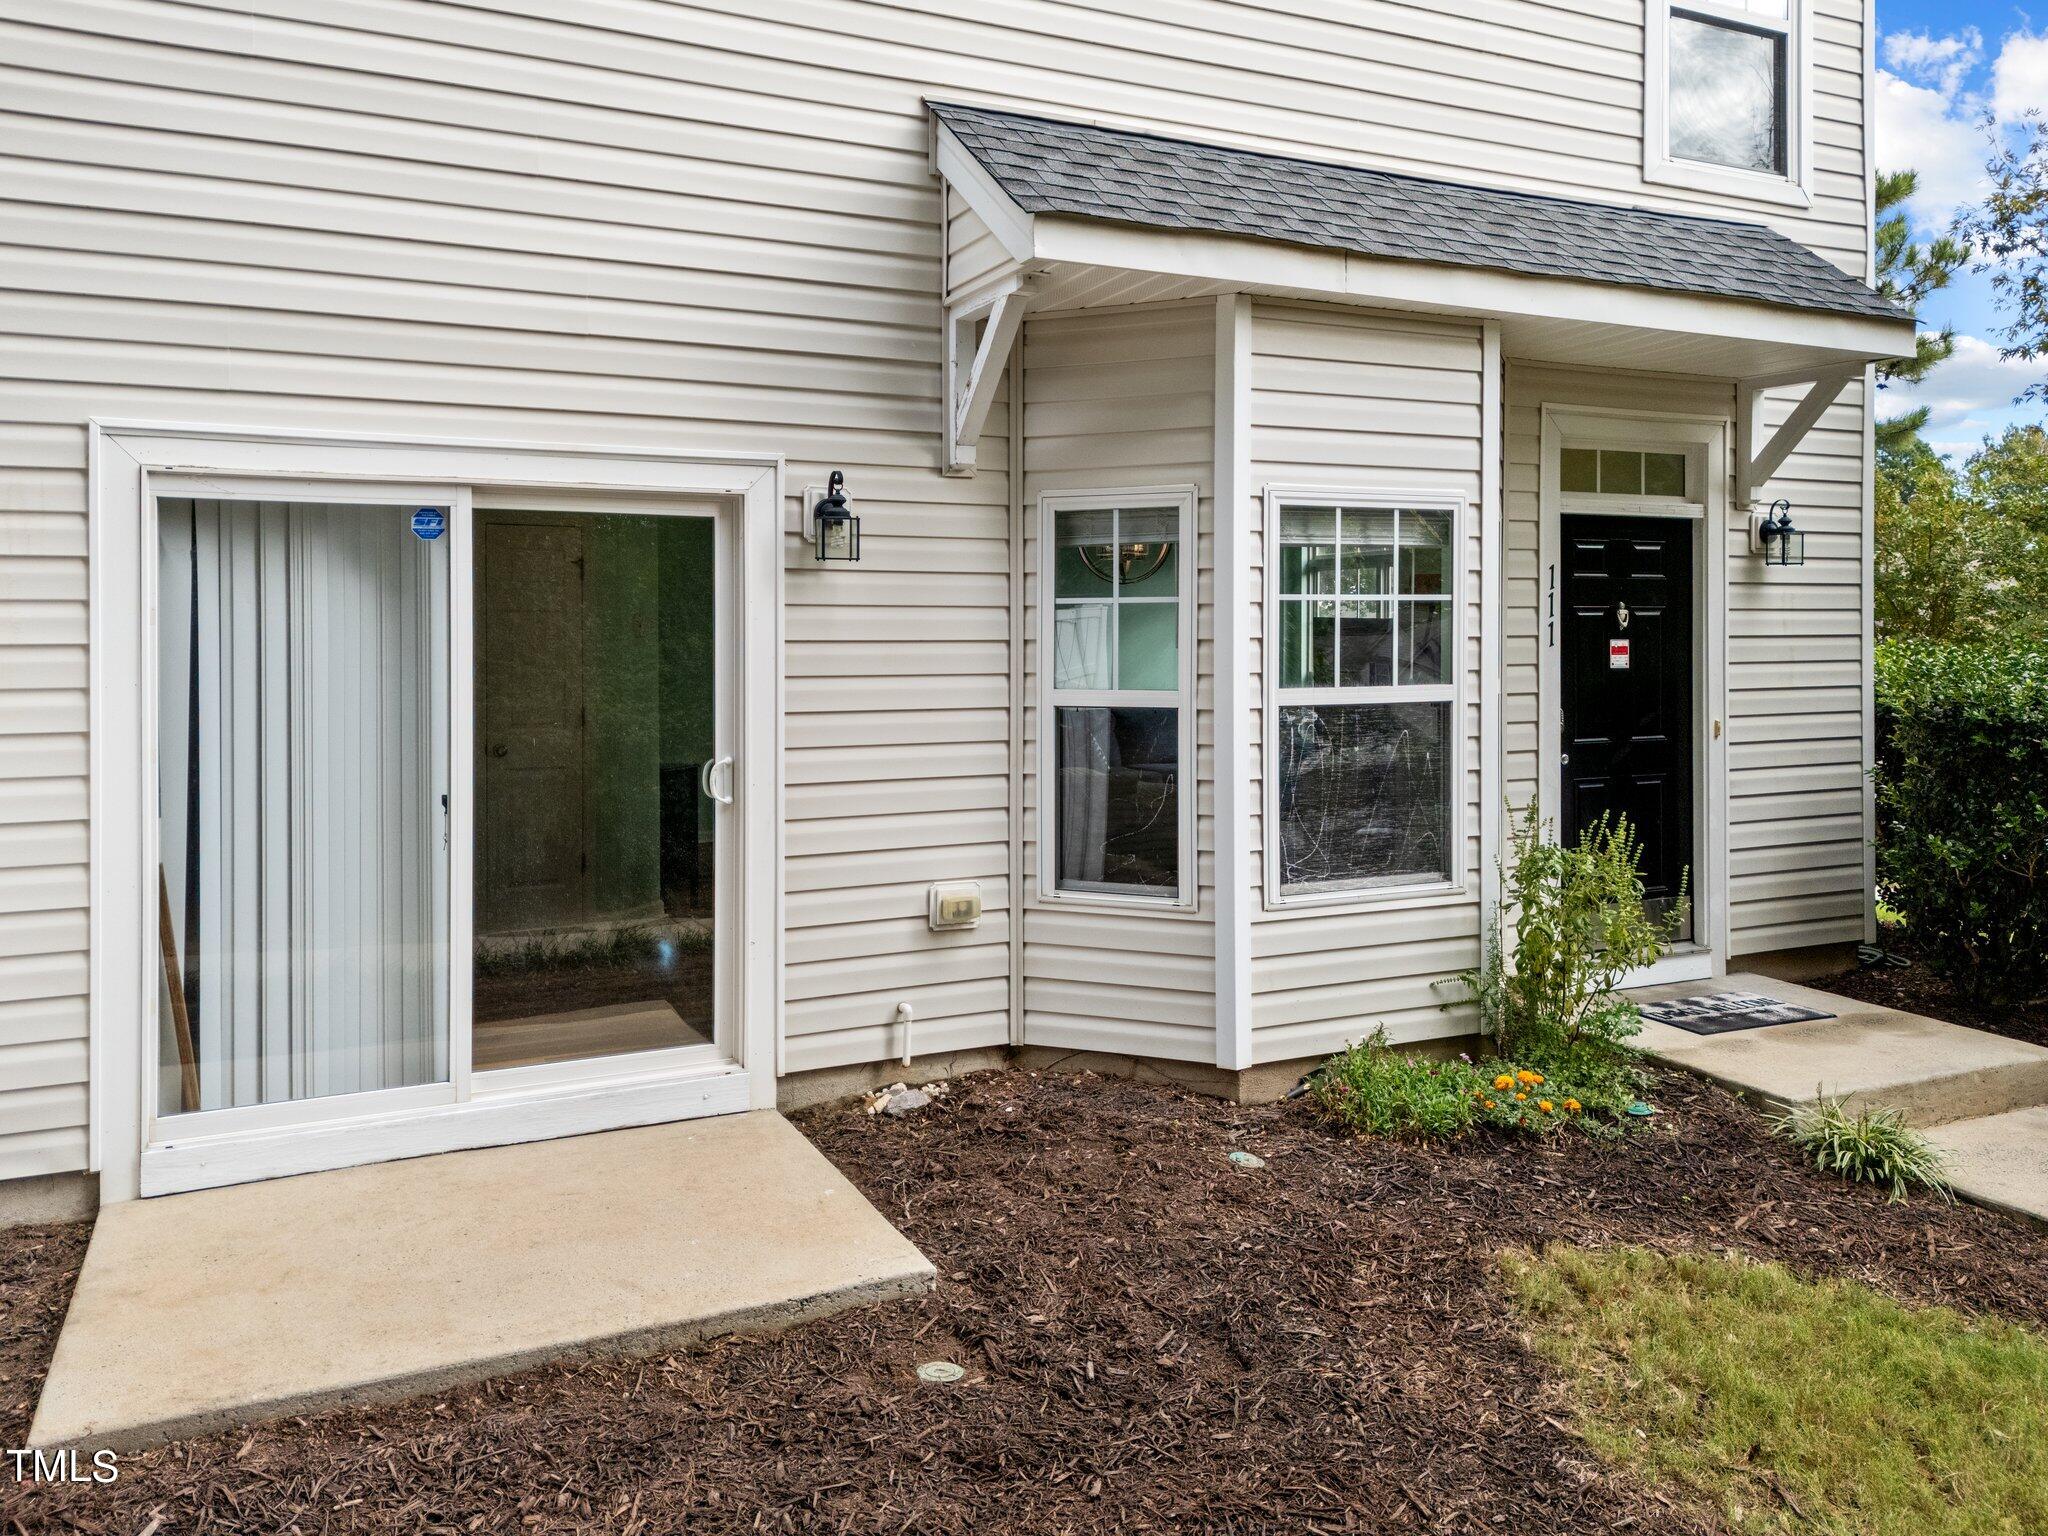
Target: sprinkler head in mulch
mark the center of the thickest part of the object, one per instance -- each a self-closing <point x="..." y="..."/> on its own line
<point x="1247" y="1160"/>
<point x="1640" y="1111"/>
<point x="940" y="1371"/>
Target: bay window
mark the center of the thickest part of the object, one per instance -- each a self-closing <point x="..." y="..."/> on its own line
<point x="1117" y="641"/>
<point x="1362" y="741"/>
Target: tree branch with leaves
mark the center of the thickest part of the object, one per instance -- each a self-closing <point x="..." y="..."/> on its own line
<point x="2010" y="232"/>
<point x="1907" y="273"/>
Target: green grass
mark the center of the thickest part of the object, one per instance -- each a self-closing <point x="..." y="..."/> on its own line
<point x="1796" y="1407"/>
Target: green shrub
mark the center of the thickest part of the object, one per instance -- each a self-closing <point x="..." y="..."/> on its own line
<point x="1372" y="1090"/>
<point x="1962" y="791"/>
<point x="1579" y="928"/>
<point x="1874" y="1147"/>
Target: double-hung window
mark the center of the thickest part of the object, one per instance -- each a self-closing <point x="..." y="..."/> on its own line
<point x="1362" y="741"/>
<point x="1724" y="93"/>
<point x="1117" y="642"/>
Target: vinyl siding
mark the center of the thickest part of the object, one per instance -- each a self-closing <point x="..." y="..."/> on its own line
<point x="1122" y="398"/>
<point x="1363" y="402"/>
<point x="702" y="225"/>
<point x="1795" y="664"/>
<point x="973" y="254"/>
<point x="1797" y="670"/>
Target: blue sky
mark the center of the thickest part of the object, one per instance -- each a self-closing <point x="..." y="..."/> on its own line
<point x="1942" y="64"/>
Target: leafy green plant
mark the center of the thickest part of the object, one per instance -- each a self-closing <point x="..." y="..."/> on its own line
<point x="1371" y="1090"/>
<point x="1962" y="795"/>
<point x="1873" y="1146"/>
<point x="1579" y="927"/>
<point x="1374" y="1091"/>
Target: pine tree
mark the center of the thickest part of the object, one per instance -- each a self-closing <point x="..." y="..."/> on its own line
<point x="1908" y="273"/>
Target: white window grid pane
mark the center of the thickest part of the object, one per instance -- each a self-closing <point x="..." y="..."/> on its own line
<point x="1147" y="521"/>
<point x="1642" y="457"/>
<point x="1348" y="517"/>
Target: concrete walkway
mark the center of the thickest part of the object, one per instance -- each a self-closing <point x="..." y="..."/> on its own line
<point x="196" y="1311"/>
<point x="1978" y="1096"/>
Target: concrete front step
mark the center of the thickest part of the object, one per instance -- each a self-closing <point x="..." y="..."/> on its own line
<point x="196" y="1311"/>
<point x="2000" y="1160"/>
<point x="1933" y="1072"/>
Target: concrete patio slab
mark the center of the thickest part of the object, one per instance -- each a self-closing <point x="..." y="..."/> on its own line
<point x="2000" y="1160"/>
<point x="1931" y="1071"/>
<point x="199" y="1310"/>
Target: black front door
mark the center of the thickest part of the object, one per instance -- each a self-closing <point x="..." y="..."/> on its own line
<point x="1626" y="665"/>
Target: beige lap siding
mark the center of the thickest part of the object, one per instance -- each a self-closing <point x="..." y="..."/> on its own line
<point x="1796" y="827"/>
<point x="973" y="254"/>
<point x="688" y="225"/>
<point x="1122" y="398"/>
<point x="42" y="800"/>
<point x="1366" y="402"/>
<point x="896" y="723"/>
<point x="1797" y="816"/>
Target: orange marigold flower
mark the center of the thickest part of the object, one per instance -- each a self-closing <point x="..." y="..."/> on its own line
<point x="1529" y="1079"/>
<point x="1520" y="1096"/>
<point x="1573" y="1105"/>
<point x="1503" y="1081"/>
<point x="1491" y="1105"/>
<point x="1545" y="1105"/>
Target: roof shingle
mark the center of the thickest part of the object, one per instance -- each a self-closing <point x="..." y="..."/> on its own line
<point x="1047" y="165"/>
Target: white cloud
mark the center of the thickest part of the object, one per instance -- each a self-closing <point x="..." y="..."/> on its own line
<point x="1942" y="63"/>
<point x="1921" y="129"/>
<point x="1969" y="396"/>
<point x="2019" y="77"/>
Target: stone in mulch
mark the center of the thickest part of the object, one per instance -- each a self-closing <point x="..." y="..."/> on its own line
<point x="1150" y="1340"/>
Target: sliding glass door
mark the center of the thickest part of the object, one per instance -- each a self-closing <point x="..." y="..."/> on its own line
<point x="598" y="786"/>
<point x="302" y="880"/>
<point x="442" y="804"/>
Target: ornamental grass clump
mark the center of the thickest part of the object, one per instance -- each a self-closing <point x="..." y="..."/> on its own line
<point x="1873" y="1147"/>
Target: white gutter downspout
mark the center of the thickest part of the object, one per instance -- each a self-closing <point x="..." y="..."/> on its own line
<point x="1016" y="905"/>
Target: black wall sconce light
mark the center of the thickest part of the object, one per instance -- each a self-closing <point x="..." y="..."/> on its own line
<point x="835" y="531"/>
<point x="1772" y="535"/>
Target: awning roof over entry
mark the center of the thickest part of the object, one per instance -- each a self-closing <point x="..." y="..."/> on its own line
<point x="1045" y="166"/>
<point x="1089" y="215"/>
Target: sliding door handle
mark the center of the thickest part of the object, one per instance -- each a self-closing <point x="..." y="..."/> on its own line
<point x="707" y="776"/>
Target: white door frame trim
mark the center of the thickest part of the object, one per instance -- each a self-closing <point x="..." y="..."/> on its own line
<point x="126" y="457"/>
<point x="1707" y="955"/>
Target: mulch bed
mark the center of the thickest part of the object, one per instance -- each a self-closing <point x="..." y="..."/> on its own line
<point x="1154" y="1341"/>
<point x="1914" y="989"/>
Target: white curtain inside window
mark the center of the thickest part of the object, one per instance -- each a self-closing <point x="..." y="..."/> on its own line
<point x="302" y="801"/>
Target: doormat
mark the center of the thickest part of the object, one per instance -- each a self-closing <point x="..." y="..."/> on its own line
<point x="1719" y="1013"/>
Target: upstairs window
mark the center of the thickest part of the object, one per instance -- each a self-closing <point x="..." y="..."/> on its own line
<point x="1724" y="93"/>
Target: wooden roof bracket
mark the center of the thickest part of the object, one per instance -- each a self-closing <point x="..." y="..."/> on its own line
<point x="1758" y="457"/>
<point x="980" y="330"/>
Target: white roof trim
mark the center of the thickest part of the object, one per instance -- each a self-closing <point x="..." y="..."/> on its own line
<point x="1224" y="262"/>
